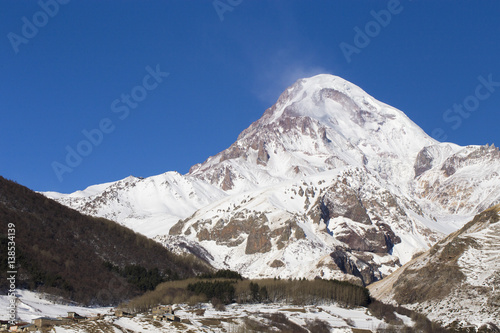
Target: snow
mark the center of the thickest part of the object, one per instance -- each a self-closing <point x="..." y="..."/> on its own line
<point x="479" y="265"/>
<point x="149" y="206"/>
<point x="88" y="192"/>
<point x="32" y="305"/>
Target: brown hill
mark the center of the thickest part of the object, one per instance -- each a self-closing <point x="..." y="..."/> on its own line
<point x="456" y="281"/>
<point x="82" y="258"/>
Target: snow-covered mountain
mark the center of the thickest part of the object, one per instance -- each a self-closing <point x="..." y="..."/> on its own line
<point x="147" y="205"/>
<point x="328" y="182"/>
<point x="456" y="281"/>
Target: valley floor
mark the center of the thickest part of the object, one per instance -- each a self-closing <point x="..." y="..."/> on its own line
<point x="200" y="318"/>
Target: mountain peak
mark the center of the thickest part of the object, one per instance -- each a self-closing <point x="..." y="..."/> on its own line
<point x="339" y="104"/>
<point x="318" y="123"/>
<point x="306" y="96"/>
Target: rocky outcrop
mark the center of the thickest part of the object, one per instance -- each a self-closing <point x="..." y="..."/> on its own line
<point x="277" y="263"/>
<point x="462" y="180"/>
<point x="341" y="200"/>
<point x="376" y="239"/>
<point x="262" y="154"/>
<point x="258" y="241"/>
<point x="353" y="266"/>
<point x="233" y="232"/>
<point x="423" y="162"/>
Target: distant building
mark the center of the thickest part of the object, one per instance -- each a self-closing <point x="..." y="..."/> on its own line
<point x="162" y="309"/>
<point x="123" y="313"/>
<point x="72" y="316"/>
<point x="164" y="312"/>
<point x="27" y="328"/>
<point x="44" y="322"/>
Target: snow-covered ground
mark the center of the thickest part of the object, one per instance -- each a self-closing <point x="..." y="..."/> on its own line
<point x="31" y="305"/>
<point x="200" y="318"/>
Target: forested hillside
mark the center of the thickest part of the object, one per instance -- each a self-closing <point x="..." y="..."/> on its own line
<point x="82" y="258"/>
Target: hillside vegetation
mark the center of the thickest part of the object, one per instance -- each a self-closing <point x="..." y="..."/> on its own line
<point x="85" y="259"/>
<point x="442" y="273"/>
<point x="225" y="291"/>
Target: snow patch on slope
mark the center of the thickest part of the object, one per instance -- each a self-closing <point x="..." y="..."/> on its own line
<point x="147" y="205"/>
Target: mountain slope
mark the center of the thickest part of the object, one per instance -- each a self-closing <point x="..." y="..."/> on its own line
<point x="325" y="225"/>
<point x="457" y="279"/>
<point x="147" y="205"/>
<point x="61" y="251"/>
<point x="459" y="180"/>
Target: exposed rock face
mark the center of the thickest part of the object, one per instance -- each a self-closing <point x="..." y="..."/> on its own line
<point x="258" y="241"/>
<point x="227" y="181"/>
<point x="232" y="232"/>
<point x="339" y="97"/>
<point x="243" y="226"/>
<point x="356" y="267"/>
<point x="470" y="156"/>
<point x="336" y="221"/>
<point x="233" y="152"/>
<point x="262" y="155"/>
<point x="423" y="162"/>
<point x="373" y="239"/>
<point x="349" y="206"/>
<point x="181" y="245"/>
<point x="390" y="238"/>
<point x="341" y="200"/>
<point x="449" y="166"/>
<point x="277" y="263"/>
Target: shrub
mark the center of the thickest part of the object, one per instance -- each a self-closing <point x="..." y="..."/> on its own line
<point x="318" y="326"/>
<point x="217" y="304"/>
<point x="283" y="324"/>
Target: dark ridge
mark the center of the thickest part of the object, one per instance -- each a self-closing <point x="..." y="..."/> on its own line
<point x="78" y="257"/>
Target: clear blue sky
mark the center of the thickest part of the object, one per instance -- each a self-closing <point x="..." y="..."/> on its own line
<point x="75" y="71"/>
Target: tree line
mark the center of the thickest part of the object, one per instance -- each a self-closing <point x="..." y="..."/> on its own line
<point x="226" y="291"/>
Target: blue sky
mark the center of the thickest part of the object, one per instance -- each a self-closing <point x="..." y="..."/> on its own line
<point x="100" y="68"/>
